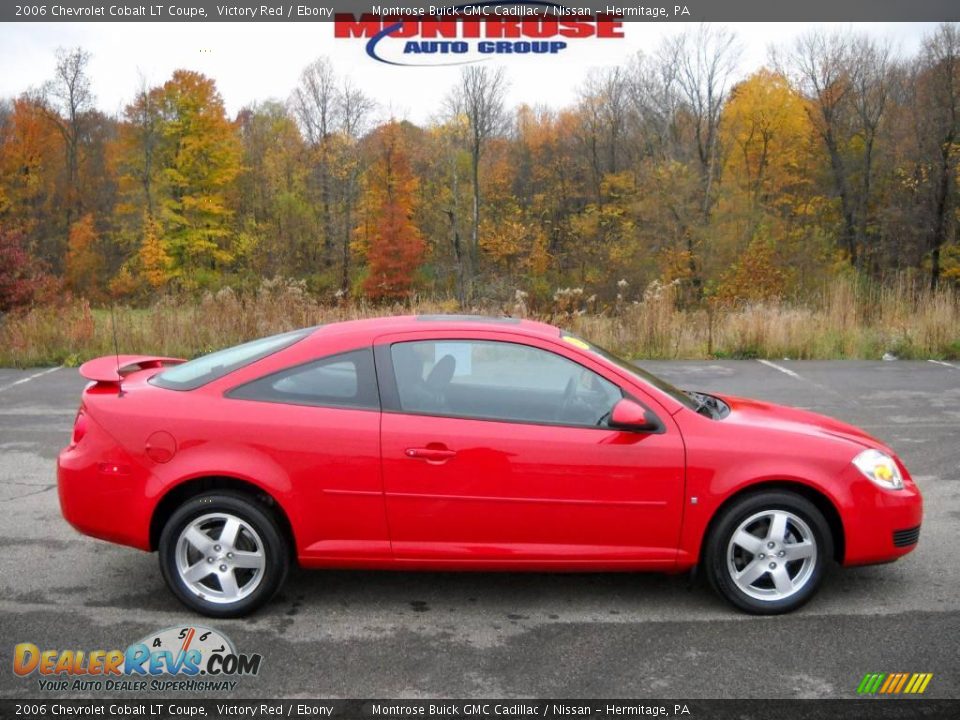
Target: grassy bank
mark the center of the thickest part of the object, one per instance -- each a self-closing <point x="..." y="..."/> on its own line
<point x="844" y="321"/>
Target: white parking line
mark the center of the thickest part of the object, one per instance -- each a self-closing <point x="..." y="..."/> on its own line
<point x="30" y="377"/>
<point x="945" y="364"/>
<point x="784" y="370"/>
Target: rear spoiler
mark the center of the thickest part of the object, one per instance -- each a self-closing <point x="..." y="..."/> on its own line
<point x="112" y="368"/>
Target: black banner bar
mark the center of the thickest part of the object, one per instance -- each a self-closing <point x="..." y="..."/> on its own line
<point x="314" y="11"/>
<point x="227" y="709"/>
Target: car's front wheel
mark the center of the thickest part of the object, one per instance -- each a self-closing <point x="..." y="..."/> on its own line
<point x="767" y="552"/>
<point x="223" y="554"/>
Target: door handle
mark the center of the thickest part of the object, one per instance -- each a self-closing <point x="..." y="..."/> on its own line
<point x="436" y="455"/>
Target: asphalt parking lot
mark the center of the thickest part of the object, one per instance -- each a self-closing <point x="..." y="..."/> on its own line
<point x="381" y="635"/>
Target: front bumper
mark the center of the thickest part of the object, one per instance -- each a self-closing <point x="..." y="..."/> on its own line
<point x="881" y="525"/>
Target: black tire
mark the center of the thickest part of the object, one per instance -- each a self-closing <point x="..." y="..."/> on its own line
<point x="275" y="551"/>
<point x="716" y="559"/>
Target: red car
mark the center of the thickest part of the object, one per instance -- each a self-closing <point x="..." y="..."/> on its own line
<point x="466" y="443"/>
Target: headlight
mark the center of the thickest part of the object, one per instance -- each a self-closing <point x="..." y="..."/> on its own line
<point x="880" y="468"/>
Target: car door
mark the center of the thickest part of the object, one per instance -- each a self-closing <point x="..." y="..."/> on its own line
<point x="495" y="451"/>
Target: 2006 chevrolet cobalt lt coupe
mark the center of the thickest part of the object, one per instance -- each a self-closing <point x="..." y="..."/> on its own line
<point x="468" y="443"/>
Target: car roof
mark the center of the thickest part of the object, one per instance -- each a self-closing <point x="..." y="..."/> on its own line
<point x="372" y="327"/>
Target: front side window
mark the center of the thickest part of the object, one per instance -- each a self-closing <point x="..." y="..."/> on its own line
<point x="344" y="380"/>
<point x="499" y="381"/>
<point x="207" y="368"/>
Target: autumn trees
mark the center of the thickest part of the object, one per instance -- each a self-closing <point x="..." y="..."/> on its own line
<point x="387" y="235"/>
<point x="333" y="114"/>
<point x="178" y="158"/>
<point x="479" y="100"/>
<point x="848" y="81"/>
<point x="30" y="186"/>
<point x="22" y="277"/>
<point x="201" y="159"/>
<point x="679" y="167"/>
<point x="937" y="120"/>
<point x="66" y="102"/>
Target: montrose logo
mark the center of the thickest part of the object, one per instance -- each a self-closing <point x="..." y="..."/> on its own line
<point x="175" y="659"/>
<point x="463" y="34"/>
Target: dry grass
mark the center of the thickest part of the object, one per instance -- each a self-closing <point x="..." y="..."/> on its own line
<point x="846" y="321"/>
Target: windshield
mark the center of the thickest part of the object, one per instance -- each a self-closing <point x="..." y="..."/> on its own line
<point x="207" y="368"/>
<point x="676" y="393"/>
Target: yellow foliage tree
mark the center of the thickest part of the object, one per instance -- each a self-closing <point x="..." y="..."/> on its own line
<point x="764" y="220"/>
<point x="769" y="137"/>
<point x="201" y="157"/>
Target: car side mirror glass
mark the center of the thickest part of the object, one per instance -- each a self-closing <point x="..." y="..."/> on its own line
<point x="630" y="415"/>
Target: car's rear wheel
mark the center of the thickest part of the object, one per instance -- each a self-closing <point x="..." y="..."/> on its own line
<point x="223" y="554"/>
<point x="768" y="551"/>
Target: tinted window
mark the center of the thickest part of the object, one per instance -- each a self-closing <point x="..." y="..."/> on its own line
<point x="207" y="368"/>
<point x="345" y="380"/>
<point x="499" y="381"/>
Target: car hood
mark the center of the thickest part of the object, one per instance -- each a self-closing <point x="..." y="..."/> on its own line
<point x="756" y="413"/>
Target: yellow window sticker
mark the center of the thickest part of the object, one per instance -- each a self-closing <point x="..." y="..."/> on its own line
<point x="576" y="342"/>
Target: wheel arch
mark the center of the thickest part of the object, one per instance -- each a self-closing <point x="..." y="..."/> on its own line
<point x="183" y="491"/>
<point x="820" y="500"/>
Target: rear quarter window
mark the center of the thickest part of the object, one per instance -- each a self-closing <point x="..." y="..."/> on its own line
<point x="344" y="380"/>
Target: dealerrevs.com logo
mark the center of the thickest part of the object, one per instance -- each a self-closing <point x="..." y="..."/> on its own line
<point x="462" y="34"/>
<point x="193" y="658"/>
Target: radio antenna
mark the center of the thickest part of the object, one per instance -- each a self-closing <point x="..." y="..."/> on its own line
<point x="116" y="349"/>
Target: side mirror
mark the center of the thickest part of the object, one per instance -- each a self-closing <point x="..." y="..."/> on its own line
<point x="629" y="415"/>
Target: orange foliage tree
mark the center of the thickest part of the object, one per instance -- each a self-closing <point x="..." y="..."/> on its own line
<point x="154" y="260"/>
<point x="394" y="246"/>
<point x="30" y="164"/>
<point x="85" y="263"/>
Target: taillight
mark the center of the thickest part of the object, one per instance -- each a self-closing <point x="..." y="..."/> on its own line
<point x="79" y="427"/>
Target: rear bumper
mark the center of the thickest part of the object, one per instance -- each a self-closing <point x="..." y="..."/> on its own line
<point x="882" y="525"/>
<point x="101" y="504"/>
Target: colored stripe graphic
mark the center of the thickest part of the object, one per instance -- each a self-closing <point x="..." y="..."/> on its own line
<point x="918" y="683"/>
<point x="870" y="683"/>
<point x="903" y="680"/>
<point x="891" y="679"/>
<point x="894" y="683"/>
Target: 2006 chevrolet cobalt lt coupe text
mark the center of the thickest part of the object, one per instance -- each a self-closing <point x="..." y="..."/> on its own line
<point x="466" y="443"/>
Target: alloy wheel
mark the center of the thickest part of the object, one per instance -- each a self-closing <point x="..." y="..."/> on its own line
<point x="772" y="555"/>
<point x="220" y="558"/>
